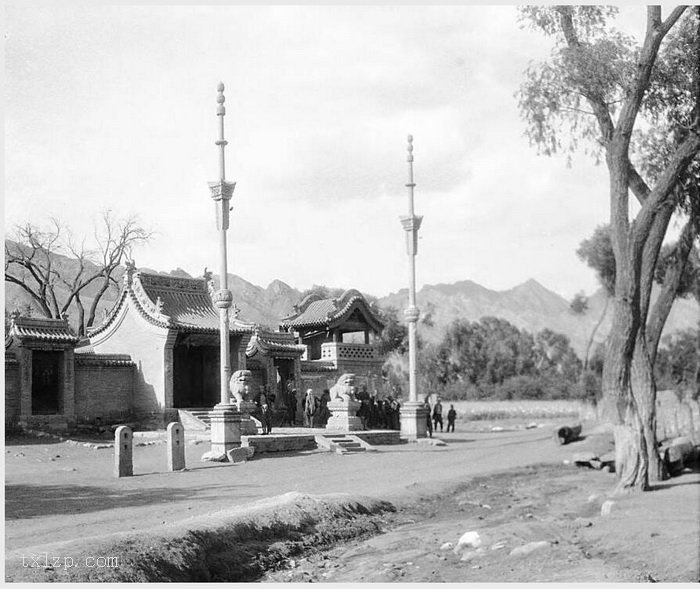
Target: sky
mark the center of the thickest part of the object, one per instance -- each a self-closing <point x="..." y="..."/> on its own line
<point x="114" y="107"/>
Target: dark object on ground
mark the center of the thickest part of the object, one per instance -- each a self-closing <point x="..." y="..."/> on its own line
<point x="593" y="460"/>
<point x="567" y="433"/>
<point x="678" y="454"/>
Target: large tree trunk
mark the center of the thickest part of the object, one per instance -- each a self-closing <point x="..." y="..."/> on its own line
<point x="631" y="457"/>
<point x="644" y="394"/>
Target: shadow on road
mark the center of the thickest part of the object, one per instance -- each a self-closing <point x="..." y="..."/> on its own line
<point x="29" y="501"/>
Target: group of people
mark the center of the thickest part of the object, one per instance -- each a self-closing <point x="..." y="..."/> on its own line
<point x="373" y="412"/>
<point x="378" y="413"/>
<point x="316" y="412"/>
<point x="434" y="417"/>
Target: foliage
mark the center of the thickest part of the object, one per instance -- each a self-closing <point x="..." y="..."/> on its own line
<point x="579" y="304"/>
<point x="602" y="89"/>
<point x="678" y="361"/>
<point x="394" y="336"/>
<point x="492" y="358"/>
<point x="597" y="252"/>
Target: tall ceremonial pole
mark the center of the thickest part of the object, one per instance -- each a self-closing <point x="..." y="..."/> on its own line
<point x="221" y="192"/>
<point x="226" y="417"/>
<point x="413" y="414"/>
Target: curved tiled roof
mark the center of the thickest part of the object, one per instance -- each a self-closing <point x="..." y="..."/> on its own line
<point x="314" y="311"/>
<point x="43" y="329"/>
<point x="317" y="366"/>
<point x="274" y="344"/>
<point x="92" y="359"/>
<point x="183" y="304"/>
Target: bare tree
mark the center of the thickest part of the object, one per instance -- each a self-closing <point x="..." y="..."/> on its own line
<point x="35" y="260"/>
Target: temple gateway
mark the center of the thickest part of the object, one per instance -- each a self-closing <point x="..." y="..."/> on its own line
<point x="155" y="357"/>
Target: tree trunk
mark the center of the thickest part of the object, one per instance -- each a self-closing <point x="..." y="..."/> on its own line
<point x="631" y="457"/>
<point x="95" y="301"/>
<point x="81" y="315"/>
<point x="644" y="393"/>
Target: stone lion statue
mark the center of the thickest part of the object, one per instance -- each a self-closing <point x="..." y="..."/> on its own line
<point x="240" y="385"/>
<point x="344" y="389"/>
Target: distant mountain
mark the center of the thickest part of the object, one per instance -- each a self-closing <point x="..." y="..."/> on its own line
<point x="528" y="306"/>
<point x="259" y="305"/>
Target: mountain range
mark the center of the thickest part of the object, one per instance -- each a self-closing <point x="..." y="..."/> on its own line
<point x="528" y="306"/>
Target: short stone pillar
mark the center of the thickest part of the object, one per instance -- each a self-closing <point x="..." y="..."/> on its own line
<point x="344" y="415"/>
<point x="176" y="446"/>
<point x="123" y="452"/>
<point x="414" y="420"/>
<point x="227" y="423"/>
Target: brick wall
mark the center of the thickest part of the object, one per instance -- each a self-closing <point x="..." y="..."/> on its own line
<point x="12" y="391"/>
<point x="103" y="389"/>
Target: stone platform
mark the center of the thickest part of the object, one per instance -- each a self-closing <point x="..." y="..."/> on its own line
<point x="300" y="439"/>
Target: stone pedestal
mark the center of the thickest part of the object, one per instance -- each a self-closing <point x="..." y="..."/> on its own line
<point x="344" y="416"/>
<point x="226" y="422"/>
<point x="414" y="420"/>
<point x="249" y="425"/>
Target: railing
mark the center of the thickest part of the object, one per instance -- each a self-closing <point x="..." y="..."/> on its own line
<point x="340" y="351"/>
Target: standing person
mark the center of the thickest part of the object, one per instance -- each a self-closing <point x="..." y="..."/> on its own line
<point x="451" y="416"/>
<point x="323" y="412"/>
<point x="437" y="415"/>
<point x="429" y="422"/>
<point x="265" y="411"/>
<point x="396" y="414"/>
<point x="310" y="407"/>
<point x="291" y="414"/>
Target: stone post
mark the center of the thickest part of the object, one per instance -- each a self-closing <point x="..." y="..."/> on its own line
<point x="123" y="452"/>
<point x="176" y="446"/>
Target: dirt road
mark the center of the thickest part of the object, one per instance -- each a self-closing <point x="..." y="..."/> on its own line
<point x="59" y="492"/>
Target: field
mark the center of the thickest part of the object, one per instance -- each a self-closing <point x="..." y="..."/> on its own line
<point x="525" y="410"/>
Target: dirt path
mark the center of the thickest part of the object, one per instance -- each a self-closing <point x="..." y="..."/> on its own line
<point x="645" y="538"/>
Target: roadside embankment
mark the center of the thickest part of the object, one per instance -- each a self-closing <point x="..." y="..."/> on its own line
<point x="234" y="545"/>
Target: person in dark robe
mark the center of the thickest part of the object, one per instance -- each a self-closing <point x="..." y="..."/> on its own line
<point x="451" y="417"/>
<point x="291" y="412"/>
<point x="265" y="411"/>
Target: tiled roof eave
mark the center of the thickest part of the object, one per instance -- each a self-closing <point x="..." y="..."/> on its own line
<point x="338" y="317"/>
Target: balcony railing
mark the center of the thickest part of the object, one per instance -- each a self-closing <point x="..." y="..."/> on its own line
<point x="340" y="351"/>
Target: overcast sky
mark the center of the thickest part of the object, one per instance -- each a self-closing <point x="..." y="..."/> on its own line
<point x="115" y="107"/>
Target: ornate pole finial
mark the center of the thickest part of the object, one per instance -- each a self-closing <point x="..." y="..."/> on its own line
<point x="410" y="149"/>
<point x="220" y="99"/>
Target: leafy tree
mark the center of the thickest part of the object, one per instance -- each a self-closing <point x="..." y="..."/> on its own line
<point x="579" y="304"/>
<point x="554" y="355"/>
<point x="605" y="91"/>
<point x="678" y="364"/>
<point x="324" y="292"/>
<point x="33" y="262"/>
<point x="597" y="252"/>
<point x="394" y="336"/>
